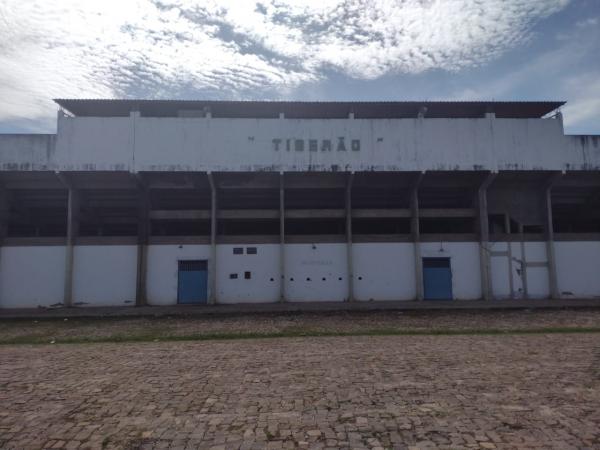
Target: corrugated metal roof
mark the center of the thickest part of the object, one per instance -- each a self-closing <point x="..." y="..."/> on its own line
<point x="308" y="110"/>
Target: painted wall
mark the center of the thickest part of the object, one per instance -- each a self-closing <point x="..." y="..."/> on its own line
<point x="500" y="272"/>
<point x="265" y="275"/>
<point x="27" y="151"/>
<point x="384" y="271"/>
<point x="161" y="278"/>
<point x="464" y="263"/>
<point x="538" y="282"/>
<point x="104" y="275"/>
<point x="179" y="144"/>
<point x="578" y="268"/>
<point x="316" y="272"/>
<point x="31" y="276"/>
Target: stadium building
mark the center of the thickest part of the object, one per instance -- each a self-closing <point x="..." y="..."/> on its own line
<point x="144" y="202"/>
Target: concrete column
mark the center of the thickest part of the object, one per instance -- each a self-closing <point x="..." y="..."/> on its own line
<point x="416" y="235"/>
<point x="212" y="267"/>
<point x="349" y="237"/>
<point x="142" y="248"/>
<point x="4" y="214"/>
<point x="484" y="238"/>
<point x="550" y="251"/>
<point x="509" y="254"/>
<point x="282" y="236"/>
<point x="523" y="262"/>
<point x="72" y="233"/>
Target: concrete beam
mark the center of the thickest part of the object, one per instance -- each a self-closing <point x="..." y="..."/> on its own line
<point x="447" y="212"/>
<point x="248" y="214"/>
<point x="484" y="237"/>
<point x="315" y="214"/>
<point x="282" y="236"/>
<point x="349" y="237"/>
<point x="185" y="214"/>
<point x="199" y="214"/>
<point x="379" y="213"/>
<point x="212" y="274"/>
<point x="416" y="234"/>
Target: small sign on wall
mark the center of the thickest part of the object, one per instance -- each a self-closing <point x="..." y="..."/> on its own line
<point x="315" y="145"/>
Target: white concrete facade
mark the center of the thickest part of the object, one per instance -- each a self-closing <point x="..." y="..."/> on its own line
<point x="105" y="275"/>
<point x="334" y="201"/>
<point x="137" y="144"/>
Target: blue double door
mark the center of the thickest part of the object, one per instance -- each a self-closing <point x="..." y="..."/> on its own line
<point x="437" y="279"/>
<point x="192" y="282"/>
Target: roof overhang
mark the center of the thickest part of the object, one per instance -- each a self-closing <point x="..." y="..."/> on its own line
<point x="309" y="110"/>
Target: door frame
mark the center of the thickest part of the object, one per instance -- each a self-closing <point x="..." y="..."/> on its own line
<point x="205" y="261"/>
<point x="449" y="259"/>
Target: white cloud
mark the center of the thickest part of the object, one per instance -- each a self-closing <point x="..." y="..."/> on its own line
<point x="229" y="48"/>
<point x="564" y="71"/>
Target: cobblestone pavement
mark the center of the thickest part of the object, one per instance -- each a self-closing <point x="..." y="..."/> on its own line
<point x="506" y="391"/>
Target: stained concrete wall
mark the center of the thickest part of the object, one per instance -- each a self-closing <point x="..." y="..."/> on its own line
<point x="161" y="278"/>
<point x="31" y="276"/>
<point x="464" y="263"/>
<point x="104" y="275"/>
<point x="27" y="151"/>
<point x="264" y="269"/>
<point x="316" y="272"/>
<point x="179" y="144"/>
<point x="384" y="271"/>
<point x="578" y="268"/>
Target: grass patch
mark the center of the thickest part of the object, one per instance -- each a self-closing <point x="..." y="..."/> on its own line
<point x="158" y="337"/>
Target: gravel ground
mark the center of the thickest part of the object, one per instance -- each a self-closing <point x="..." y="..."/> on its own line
<point x="310" y="323"/>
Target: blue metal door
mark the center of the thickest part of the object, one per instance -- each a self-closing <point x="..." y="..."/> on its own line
<point x="437" y="279"/>
<point x="192" y="282"/>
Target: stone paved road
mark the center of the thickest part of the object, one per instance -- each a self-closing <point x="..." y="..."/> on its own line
<point x="507" y="391"/>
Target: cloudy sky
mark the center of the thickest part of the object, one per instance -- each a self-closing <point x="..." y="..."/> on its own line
<point x="298" y="50"/>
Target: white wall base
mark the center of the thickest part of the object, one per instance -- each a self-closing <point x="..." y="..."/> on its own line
<point x="33" y="276"/>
